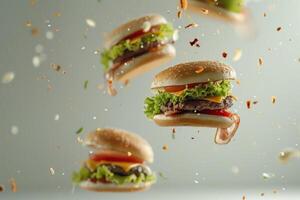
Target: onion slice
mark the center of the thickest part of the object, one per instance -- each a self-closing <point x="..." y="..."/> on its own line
<point x="224" y="135"/>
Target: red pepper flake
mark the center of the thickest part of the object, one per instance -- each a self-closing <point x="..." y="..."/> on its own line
<point x="224" y="54"/>
<point x="195" y="42"/>
<point x="192" y="25"/>
<point x="248" y="103"/>
<point x="13" y="185"/>
<point x="183" y="4"/>
<point x="278" y="28"/>
<point x="273" y="99"/>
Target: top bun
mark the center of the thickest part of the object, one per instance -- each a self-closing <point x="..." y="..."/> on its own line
<point x="120" y="141"/>
<point x="130" y="27"/>
<point x="193" y="72"/>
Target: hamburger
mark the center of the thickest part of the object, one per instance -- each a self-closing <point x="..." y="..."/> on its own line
<point x="195" y="94"/>
<point x="117" y="162"/>
<point x="229" y="10"/>
<point x="138" y="46"/>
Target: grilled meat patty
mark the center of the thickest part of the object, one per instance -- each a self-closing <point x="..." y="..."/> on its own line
<point x="196" y="106"/>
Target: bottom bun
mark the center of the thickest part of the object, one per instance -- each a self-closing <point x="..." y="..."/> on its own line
<point x="214" y="11"/>
<point x="109" y="187"/>
<point x="144" y="63"/>
<point x="193" y="119"/>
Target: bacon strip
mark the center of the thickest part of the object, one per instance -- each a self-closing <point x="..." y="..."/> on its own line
<point x="224" y="135"/>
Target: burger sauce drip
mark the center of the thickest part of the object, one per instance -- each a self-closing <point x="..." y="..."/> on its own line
<point x="224" y="135"/>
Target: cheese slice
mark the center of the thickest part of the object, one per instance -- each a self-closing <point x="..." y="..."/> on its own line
<point x="178" y="93"/>
<point x="92" y="165"/>
<point x="217" y="99"/>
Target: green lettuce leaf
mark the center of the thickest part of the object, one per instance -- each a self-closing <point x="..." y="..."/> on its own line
<point x="102" y="172"/>
<point x="230" y="5"/>
<point x="166" y="31"/>
<point x="153" y="104"/>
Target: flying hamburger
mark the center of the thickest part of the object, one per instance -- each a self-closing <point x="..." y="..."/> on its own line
<point x="228" y="10"/>
<point x="138" y="46"/>
<point x="117" y="162"/>
<point x="195" y="94"/>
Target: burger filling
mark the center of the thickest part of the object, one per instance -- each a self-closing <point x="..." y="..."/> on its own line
<point x="137" y="44"/>
<point x="230" y="5"/>
<point x="116" y="173"/>
<point x="209" y="98"/>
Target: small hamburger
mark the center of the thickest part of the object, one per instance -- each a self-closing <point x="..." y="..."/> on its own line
<point x="229" y="10"/>
<point x="195" y="94"/>
<point x="138" y="46"/>
<point x="117" y="163"/>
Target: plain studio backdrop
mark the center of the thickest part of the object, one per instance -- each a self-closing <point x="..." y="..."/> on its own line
<point x="41" y="109"/>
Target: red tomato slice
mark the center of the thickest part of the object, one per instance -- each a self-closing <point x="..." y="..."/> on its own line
<point x="177" y="88"/>
<point x="219" y="112"/>
<point x="114" y="157"/>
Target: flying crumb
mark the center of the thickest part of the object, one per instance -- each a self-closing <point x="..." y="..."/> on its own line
<point x="244" y="197"/>
<point x="14" y="130"/>
<point x="28" y="24"/>
<point x="260" y="62"/>
<point x="278" y="28"/>
<point x="273" y="98"/>
<point x="265" y="14"/>
<point x="238" y="82"/>
<point x="192" y="25"/>
<point x="262" y="194"/>
<point x="8" y="77"/>
<point x="173" y="133"/>
<point x="224" y="55"/>
<point x="52" y="171"/>
<point x="56" y="14"/>
<point x="165" y="147"/>
<point x="248" y="103"/>
<point x="35" y="31"/>
<point x="56" y="67"/>
<point x="179" y="14"/>
<point x="1" y="188"/>
<point x="13" y="185"/>
<point x="183" y="4"/>
<point x="237" y="55"/>
<point x="195" y="42"/>
<point x="91" y="23"/>
<point x="204" y="11"/>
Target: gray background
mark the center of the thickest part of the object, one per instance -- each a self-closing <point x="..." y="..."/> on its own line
<point x="42" y="142"/>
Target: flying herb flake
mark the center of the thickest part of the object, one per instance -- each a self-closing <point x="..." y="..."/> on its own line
<point x="195" y="42"/>
<point x="191" y="25"/>
<point x="160" y="174"/>
<point x="85" y="85"/>
<point x="79" y="130"/>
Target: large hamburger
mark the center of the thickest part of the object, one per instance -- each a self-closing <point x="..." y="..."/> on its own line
<point x="195" y="94"/>
<point x="138" y="46"/>
<point x="117" y="162"/>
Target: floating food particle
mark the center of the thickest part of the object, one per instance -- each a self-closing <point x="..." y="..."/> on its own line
<point x="273" y="98"/>
<point x="56" y="67"/>
<point x="224" y="55"/>
<point x="57" y="14"/>
<point x="260" y="62"/>
<point x="90" y="23"/>
<point x="183" y="4"/>
<point x="28" y="24"/>
<point x="35" y="31"/>
<point x="248" y="103"/>
<point x="13" y="185"/>
<point x="265" y="14"/>
<point x="79" y="130"/>
<point x="244" y="197"/>
<point x="195" y="42"/>
<point x="237" y="55"/>
<point x="8" y="77"/>
<point x="14" y="130"/>
<point x="52" y="171"/>
<point x="56" y="117"/>
<point x="238" y="81"/>
<point x="165" y="147"/>
<point x="85" y="84"/>
<point x="278" y="28"/>
<point x="267" y="175"/>
<point x="262" y="194"/>
<point x="1" y="188"/>
<point x="160" y="174"/>
<point x="191" y="25"/>
<point x="204" y="11"/>
<point x="49" y="35"/>
<point x="179" y="14"/>
<point x="36" y="61"/>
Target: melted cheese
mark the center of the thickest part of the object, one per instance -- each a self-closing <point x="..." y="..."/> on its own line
<point x="178" y="93"/>
<point x="92" y="165"/>
<point x="217" y="99"/>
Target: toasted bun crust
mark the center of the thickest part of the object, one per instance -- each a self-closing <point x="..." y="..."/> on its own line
<point x="120" y="141"/>
<point x="100" y="187"/>
<point x="132" y="26"/>
<point x="144" y="63"/>
<point x="193" y="72"/>
<point x="191" y="119"/>
<point x="217" y="12"/>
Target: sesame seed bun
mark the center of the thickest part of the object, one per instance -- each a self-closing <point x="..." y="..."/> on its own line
<point x="143" y="63"/>
<point x="193" y="119"/>
<point x="200" y="7"/>
<point x="109" y="187"/>
<point x="132" y="26"/>
<point x="120" y="141"/>
<point x="193" y="72"/>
